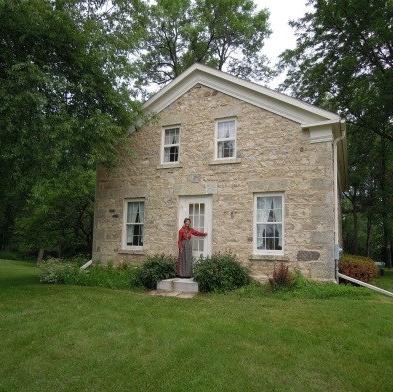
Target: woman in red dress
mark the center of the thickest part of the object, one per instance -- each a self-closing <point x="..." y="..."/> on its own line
<point x="184" y="261"/>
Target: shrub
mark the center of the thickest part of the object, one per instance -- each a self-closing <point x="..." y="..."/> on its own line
<point x="155" y="268"/>
<point x="58" y="271"/>
<point x="282" y="277"/>
<point x="358" y="267"/>
<point x="220" y="272"/>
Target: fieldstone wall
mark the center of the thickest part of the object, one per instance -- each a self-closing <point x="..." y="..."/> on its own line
<point x="274" y="155"/>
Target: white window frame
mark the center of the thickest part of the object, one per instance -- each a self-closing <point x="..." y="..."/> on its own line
<point x="163" y="145"/>
<point x="216" y="139"/>
<point x="124" y="235"/>
<point x="266" y="251"/>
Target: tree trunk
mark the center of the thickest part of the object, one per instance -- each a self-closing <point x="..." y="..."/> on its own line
<point x="384" y="203"/>
<point x="368" y="238"/>
<point x="40" y="255"/>
<point x="355" y="231"/>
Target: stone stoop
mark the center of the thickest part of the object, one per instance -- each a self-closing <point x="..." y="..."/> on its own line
<point x="177" y="285"/>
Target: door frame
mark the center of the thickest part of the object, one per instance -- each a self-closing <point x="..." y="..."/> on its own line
<point x="182" y="212"/>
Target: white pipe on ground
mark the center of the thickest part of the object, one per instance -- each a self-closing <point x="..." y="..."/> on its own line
<point x="369" y="286"/>
<point x="88" y="264"/>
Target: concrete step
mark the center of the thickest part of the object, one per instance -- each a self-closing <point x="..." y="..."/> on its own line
<point x="172" y="294"/>
<point x="179" y="285"/>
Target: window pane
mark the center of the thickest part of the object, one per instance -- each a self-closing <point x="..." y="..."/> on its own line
<point x="226" y="129"/>
<point x="262" y="215"/>
<point x="135" y="235"/>
<point x="201" y="221"/>
<point x="278" y="237"/>
<point x="226" y="149"/>
<point x="269" y="209"/>
<point x="269" y="243"/>
<point x="195" y="223"/>
<point x="261" y="235"/>
<point x="262" y="203"/>
<point x="277" y="202"/>
<point x="272" y="216"/>
<point x="278" y="215"/>
<point x="269" y="236"/>
<point x="171" y="154"/>
<point x="135" y="212"/>
<point x="269" y="231"/>
<point x="171" y="136"/>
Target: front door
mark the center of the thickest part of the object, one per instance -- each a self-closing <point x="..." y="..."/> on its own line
<point x="199" y="210"/>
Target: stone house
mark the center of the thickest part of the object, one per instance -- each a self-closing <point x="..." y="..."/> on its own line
<point x="260" y="171"/>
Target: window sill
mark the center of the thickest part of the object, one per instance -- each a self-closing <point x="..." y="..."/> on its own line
<point x="225" y="161"/>
<point x="273" y="258"/>
<point x="131" y="251"/>
<point x="169" y="166"/>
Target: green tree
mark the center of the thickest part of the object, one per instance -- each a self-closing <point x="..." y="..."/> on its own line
<point x="58" y="216"/>
<point x="225" y="34"/>
<point x="344" y="61"/>
<point x="65" y="101"/>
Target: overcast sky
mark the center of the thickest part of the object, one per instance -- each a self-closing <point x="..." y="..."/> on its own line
<point x="282" y="37"/>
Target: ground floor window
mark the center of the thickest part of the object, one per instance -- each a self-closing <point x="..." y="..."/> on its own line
<point x="268" y="223"/>
<point x="134" y="222"/>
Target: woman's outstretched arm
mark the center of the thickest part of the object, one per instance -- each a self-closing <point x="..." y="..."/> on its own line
<point x="198" y="233"/>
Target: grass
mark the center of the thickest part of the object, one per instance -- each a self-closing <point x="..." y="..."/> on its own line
<point x="71" y="338"/>
<point x="386" y="280"/>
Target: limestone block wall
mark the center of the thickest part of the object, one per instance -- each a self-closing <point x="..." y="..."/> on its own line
<point x="273" y="155"/>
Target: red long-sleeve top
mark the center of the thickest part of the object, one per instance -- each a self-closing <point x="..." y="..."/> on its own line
<point x="186" y="233"/>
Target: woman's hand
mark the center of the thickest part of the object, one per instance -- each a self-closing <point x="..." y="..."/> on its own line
<point x="204" y="234"/>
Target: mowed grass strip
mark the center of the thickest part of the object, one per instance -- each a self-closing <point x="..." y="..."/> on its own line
<point x="69" y="338"/>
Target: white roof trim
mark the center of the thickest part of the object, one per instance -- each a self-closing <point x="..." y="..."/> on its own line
<point x="321" y="123"/>
<point x="253" y="93"/>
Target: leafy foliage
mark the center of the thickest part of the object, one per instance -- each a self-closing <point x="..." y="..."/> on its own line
<point x="219" y="33"/>
<point x="155" y="268"/>
<point x="343" y="61"/>
<point x="220" y="272"/>
<point x="358" y="267"/>
<point x="65" y="102"/>
<point x="59" y="215"/>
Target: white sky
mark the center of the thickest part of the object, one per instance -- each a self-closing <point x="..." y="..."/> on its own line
<point x="282" y="37"/>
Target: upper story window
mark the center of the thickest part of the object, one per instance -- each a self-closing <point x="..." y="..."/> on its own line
<point x="225" y="139"/>
<point x="134" y="223"/>
<point x="170" y="145"/>
<point x="268" y="224"/>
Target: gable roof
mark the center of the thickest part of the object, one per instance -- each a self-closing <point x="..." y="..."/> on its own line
<point x="263" y="97"/>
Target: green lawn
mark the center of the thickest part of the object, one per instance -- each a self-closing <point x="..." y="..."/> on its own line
<point x="386" y="280"/>
<point x="67" y="338"/>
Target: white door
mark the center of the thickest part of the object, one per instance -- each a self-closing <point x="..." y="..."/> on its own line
<point x="199" y="210"/>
